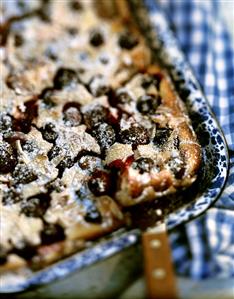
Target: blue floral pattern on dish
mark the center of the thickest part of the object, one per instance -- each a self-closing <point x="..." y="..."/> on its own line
<point x="76" y="262"/>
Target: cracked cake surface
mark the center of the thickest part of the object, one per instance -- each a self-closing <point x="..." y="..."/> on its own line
<point x="89" y="125"/>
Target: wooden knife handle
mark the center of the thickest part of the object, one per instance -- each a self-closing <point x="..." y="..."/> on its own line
<point x="159" y="272"/>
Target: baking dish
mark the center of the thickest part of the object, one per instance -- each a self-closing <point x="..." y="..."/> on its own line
<point x="215" y="159"/>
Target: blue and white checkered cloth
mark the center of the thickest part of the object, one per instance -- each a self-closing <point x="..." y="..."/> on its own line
<point x="205" y="247"/>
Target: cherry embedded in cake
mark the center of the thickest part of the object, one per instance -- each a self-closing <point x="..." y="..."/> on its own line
<point x="85" y="133"/>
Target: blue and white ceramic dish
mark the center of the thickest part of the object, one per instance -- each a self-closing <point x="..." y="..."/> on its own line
<point x="211" y="178"/>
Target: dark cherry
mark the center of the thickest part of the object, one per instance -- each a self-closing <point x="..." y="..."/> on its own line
<point x="24" y="121"/>
<point x="22" y="124"/>
<point x="91" y="212"/>
<point x="23" y="174"/>
<point x="35" y="206"/>
<point x="3" y="255"/>
<point x="72" y="115"/>
<point x="75" y="5"/>
<point x="98" y="86"/>
<point x="96" y="115"/>
<point x="5" y="122"/>
<point x="54" y="152"/>
<point x="93" y="215"/>
<point x="96" y="38"/>
<point x="104" y="134"/>
<point x="49" y="132"/>
<point x="31" y="110"/>
<point x="26" y="252"/>
<point x="147" y="104"/>
<point x="143" y="164"/>
<point x="46" y="97"/>
<point x="8" y="158"/>
<point x="120" y="165"/>
<point x="5" y="30"/>
<point x="11" y="196"/>
<point x="19" y="40"/>
<point x="179" y="173"/>
<point x="52" y="233"/>
<point x="119" y="97"/>
<point x="127" y="40"/>
<point x="29" y="146"/>
<point x="100" y="183"/>
<point x="134" y="135"/>
<point x="67" y="162"/>
<point x="65" y="77"/>
<point x="161" y="136"/>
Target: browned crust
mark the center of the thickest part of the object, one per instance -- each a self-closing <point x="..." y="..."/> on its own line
<point x="188" y="140"/>
<point x="169" y="98"/>
<point x="192" y="155"/>
<point x="164" y="183"/>
<point x="48" y="254"/>
<point x="77" y="237"/>
<point x="78" y="241"/>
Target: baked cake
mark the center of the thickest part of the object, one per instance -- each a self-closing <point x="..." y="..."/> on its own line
<point x="89" y="125"/>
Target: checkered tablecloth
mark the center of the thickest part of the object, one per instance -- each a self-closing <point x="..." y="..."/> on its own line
<point x="205" y="247"/>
